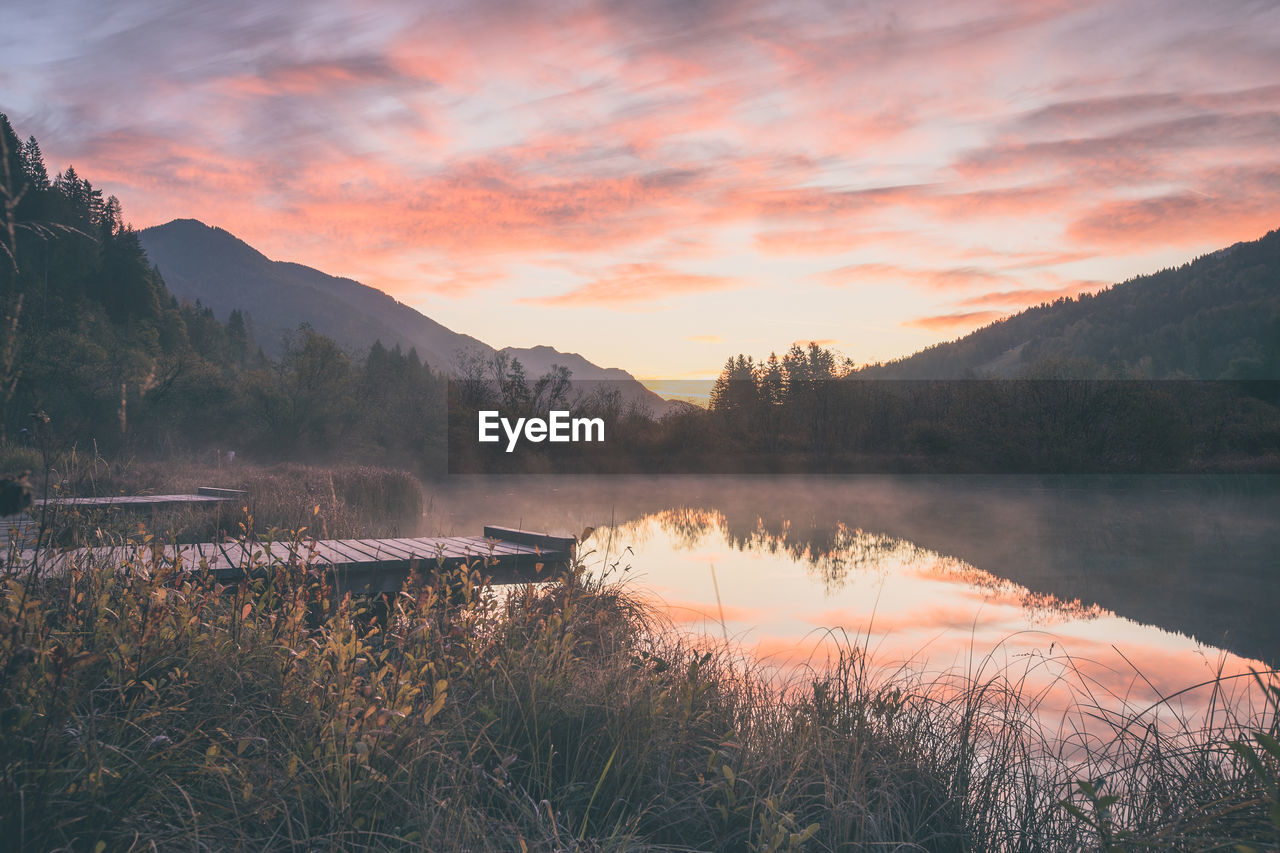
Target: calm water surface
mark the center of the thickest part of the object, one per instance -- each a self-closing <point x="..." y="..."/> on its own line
<point x="1120" y="591"/>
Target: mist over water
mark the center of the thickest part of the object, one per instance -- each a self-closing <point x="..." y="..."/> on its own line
<point x="1195" y="557"/>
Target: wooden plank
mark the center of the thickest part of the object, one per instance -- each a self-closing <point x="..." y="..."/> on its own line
<point x="502" y="546"/>
<point x="289" y="552"/>
<point x="250" y="552"/>
<point x="478" y="545"/>
<point x="373" y="549"/>
<point x="326" y="555"/>
<point x="227" y="558"/>
<point x="302" y="553"/>
<point x="130" y="501"/>
<point x="427" y="549"/>
<point x="462" y="546"/>
<point x="259" y="553"/>
<point x="374" y="562"/>
<point x="348" y="554"/>
<point x="389" y="549"/>
<point x="189" y="555"/>
<point x="274" y="552"/>
<point x="227" y="555"/>
<point x="545" y="541"/>
<point x="222" y="494"/>
<point x="475" y="546"/>
<point x="358" y="554"/>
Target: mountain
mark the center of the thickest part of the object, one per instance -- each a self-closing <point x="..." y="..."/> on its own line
<point x="1216" y="317"/>
<point x="540" y="359"/>
<point x="211" y="265"/>
<point x="225" y="273"/>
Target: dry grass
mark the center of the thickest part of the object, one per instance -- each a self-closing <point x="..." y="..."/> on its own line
<point x="162" y="710"/>
<point x="330" y="502"/>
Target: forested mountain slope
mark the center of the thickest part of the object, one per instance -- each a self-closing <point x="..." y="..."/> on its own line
<point x="1216" y="317"/>
<point x="224" y="273"/>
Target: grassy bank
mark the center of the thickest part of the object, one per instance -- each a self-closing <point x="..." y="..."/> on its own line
<point x="140" y="711"/>
<point x="342" y="501"/>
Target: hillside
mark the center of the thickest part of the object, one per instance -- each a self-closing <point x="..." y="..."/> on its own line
<point x="211" y="265"/>
<point x="225" y="273"/>
<point x="1216" y="317"/>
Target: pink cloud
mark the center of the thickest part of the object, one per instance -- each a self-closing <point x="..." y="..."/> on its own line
<point x="632" y="283"/>
<point x="310" y="78"/>
<point x="1032" y="296"/>
<point x="1177" y="218"/>
<point x="959" y="320"/>
<point x="821" y="241"/>
<point x="953" y="278"/>
<point x="431" y="151"/>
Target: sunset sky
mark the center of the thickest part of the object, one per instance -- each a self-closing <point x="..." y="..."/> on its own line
<point x="657" y="185"/>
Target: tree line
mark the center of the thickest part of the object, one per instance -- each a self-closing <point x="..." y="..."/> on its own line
<point x="812" y="411"/>
<point x="95" y="349"/>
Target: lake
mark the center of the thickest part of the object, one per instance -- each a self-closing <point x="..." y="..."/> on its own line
<point x="1120" y="590"/>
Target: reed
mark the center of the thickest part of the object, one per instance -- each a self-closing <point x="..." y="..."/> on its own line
<point x="331" y="502"/>
<point x="144" y="708"/>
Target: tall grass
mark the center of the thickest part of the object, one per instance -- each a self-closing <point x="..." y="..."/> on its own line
<point x="332" y="502"/>
<point x="146" y="708"/>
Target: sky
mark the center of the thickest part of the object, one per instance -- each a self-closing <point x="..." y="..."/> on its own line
<point x="659" y="184"/>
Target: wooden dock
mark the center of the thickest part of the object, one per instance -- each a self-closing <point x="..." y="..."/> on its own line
<point x="203" y="495"/>
<point x="357" y="565"/>
<point x="20" y="530"/>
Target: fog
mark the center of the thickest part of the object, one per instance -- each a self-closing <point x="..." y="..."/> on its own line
<point x="1195" y="555"/>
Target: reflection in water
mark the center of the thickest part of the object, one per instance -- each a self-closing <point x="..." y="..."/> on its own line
<point x="1093" y="597"/>
<point x="846" y="550"/>
<point x="1193" y="555"/>
<point x="1041" y="608"/>
<point x="908" y="609"/>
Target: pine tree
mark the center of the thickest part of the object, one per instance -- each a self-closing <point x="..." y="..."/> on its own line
<point x="238" y="335"/>
<point x="33" y="165"/>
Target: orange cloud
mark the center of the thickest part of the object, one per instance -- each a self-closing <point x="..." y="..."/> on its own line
<point x="1032" y="296"/>
<point x="432" y="152"/>
<point x="1177" y="218"/>
<point x="940" y="279"/>
<point x="963" y="319"/>
<point x="1032" y="260"/>
<point x="632" y="283"/>
<point x="705" y="339"/>
<point x="820" y="241"/>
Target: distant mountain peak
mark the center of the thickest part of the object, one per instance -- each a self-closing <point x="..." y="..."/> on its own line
<point x="210" y="264"/>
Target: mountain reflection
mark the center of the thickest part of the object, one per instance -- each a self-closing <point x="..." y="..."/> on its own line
<point x="833" y="553"/>
<point x="1194" y="555"/>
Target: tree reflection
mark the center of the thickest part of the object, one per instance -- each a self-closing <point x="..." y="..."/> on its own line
<point x="834" y="553"/>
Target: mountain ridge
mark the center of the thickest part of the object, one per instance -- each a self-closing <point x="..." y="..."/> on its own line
<point x="210" y="264"/>
<point x="1214" y="317"/>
